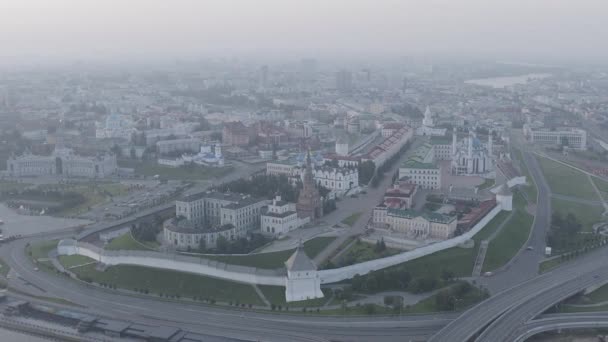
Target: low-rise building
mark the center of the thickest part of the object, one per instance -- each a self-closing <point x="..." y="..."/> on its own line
<point x="244" y="213"/>
<point x="420" y="225"/>
<point x="338" y="179"/>
<point x="62" y="162"/>
<point x="280" y="168"/>
<point x="425" y="175"/>
<point x="208" y="216"/>
<point x="235" y="134"/>
<point x="180" y="233"/>
<point x="400" y="196"/>
<point x="570" y="137"/>
<point x="281" y="218"/>
<point x="205" y="209"/>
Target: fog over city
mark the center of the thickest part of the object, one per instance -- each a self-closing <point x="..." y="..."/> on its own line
<point x="304" y="170"/>
<point x="550" y="30"/>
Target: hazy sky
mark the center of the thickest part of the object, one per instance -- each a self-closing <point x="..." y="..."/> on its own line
<point x="562" y="29"/>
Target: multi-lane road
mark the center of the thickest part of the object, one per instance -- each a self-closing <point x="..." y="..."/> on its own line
<point x="525" y="296"/>
<point x="509" y="314"/>
<point x="211" y="320"/>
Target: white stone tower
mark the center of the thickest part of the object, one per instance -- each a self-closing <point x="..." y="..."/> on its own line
<point x="341" y="147"/>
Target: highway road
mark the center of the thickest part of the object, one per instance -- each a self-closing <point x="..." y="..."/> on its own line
<point x="511" y="309"/>
<point x="217" y="321"/>
<point x="524" y="265"/>
<point x="561" y="321"/>
<point x="527" y="295"/>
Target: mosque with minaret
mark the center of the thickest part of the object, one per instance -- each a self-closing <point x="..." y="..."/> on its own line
<point x="471" y="157"/>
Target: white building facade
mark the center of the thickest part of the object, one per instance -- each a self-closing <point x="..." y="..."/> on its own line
<point x="62" y="162"/>
<point x="280" y="219"/>
<point x="574" y="138"/>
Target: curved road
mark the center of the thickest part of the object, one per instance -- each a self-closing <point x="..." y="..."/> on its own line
<point x="508" y="311"/>
<point x="211" y="320"/>
<point x="561" y="321"/>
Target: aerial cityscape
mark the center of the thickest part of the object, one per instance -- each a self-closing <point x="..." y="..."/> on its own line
<point x="294" y="171"/>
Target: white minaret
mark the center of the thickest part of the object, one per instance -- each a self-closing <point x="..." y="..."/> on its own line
<point x="428" y="118"/>
<point x="470" y="150"/>
<point x="341" y="147"/>
<point x="490" y="142"/>
<point x="454" y="143"/>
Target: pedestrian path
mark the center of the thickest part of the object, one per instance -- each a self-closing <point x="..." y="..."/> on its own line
<point x="599" y="194"/>
<point x="481" y="256"/>
<point x="261" y="294"/>
<point x="483" y="247"/>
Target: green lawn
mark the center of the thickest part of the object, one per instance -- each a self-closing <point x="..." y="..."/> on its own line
<point x="363" y="251"/>
<point x="41" y="249"/>
<point x="4" y="268"/>
<point x="74" y="260"/>
<point x="456" y="259"/>
<point x="126" y="242"/>
<point x="166" y="282"/>
<point x="548" y="265"/>
<point x="586" y="214"/>
<point x="512" y="236"/>
<point x="151" y="168"/>
<point x="529" y="189"/>
<point x="509" y="241"/>
<point x="428" y="305"/>
<point x="275" y="259"/>
<point x="599" y="295"/>
<point x="601" y="184"/>
<point x="352" y="219"/>
<point x="565" y="180"/>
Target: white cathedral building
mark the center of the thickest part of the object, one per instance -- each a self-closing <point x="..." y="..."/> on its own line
<point x="471" y="157"/>
<point x="428" y="125"/>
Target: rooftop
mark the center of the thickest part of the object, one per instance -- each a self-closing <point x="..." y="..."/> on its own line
<point x="432" y="217"/>
<point x="415" y="164"/>
<point x="279" y="215"/>
<point x="299" y="261"/>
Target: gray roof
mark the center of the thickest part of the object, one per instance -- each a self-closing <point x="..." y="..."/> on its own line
<point x="245" y="201"/>
<point x="279" y="215"/>
<point x="299" y="261"/>
<point x="67" y="242"/>
<point x="504" y="190"/>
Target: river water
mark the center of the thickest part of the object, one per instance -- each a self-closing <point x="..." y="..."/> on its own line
<point x="501" y="82"/>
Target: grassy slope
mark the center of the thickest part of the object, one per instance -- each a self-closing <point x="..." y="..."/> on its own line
<point x="566" y="181"/>
<point x="586" y="214"/>
<point x="352" y="219"/>
<point x="530" y="189"/>
<point x="125" y="242"/>
<point x="511" y="238"/>
<point x="275" y="259"/>
<point x="458" y="260"/>
<point x="158" y="281"/>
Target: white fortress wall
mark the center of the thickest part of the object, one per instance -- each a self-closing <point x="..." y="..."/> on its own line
<point x="253" y="275"/>
<point x="180" y="263"/>
<point x="338" y="274"/>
